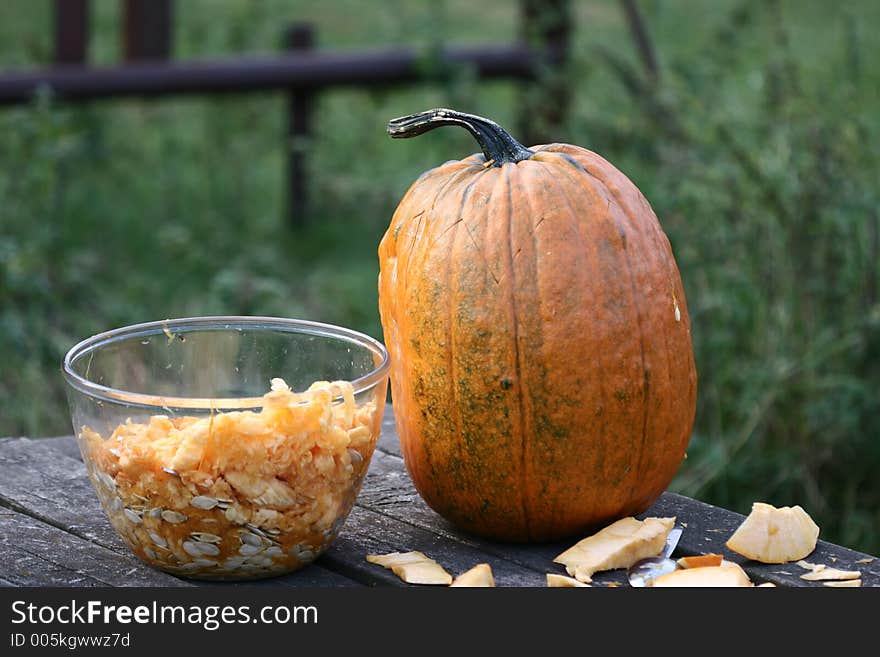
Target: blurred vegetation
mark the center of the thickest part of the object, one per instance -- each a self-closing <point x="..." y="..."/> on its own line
<point x="757" y="146"/>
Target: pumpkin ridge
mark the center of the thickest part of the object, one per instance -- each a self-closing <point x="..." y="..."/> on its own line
<point x="573" y="214"/>
<point x="426" y="445"/>
<point x="517" y="357"/>
<point x="637" y="304"/>
<point x="658" y="238"/>
<point x="465" y="195"/>
<point x="452" y="369"/>
<point x="439" y="194"/>
<point x="455" y="418"/>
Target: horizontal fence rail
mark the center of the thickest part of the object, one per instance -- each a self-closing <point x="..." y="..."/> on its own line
<point x="311" y="70"/>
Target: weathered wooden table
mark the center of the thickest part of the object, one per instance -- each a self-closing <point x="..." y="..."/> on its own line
<point x="53" y="532"/>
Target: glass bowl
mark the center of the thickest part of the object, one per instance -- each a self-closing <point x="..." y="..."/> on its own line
<point x="227" y="447"/>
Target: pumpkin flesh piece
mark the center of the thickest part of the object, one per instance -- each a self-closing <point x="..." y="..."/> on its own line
<point x="555" y="580"/>
<point x="412" y="567"/>
<point x="775" y="535"/>
<point x="478" y="576"/>
<point x="619" y="545"/>
<point x="705" y="576"/>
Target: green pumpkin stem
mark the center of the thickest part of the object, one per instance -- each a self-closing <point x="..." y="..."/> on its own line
<point x="496" y="143"/>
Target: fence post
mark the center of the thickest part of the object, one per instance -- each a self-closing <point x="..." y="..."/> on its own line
<point x="147" y="29"/>
<point x="299" y="38"/>
<point x="546" y="29"/>
<point x="640" y="35"/>
<point x="71" y="31"/>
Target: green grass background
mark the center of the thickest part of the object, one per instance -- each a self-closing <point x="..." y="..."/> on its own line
<point x="758" y="150"/>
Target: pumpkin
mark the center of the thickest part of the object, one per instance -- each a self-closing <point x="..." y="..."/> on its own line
<point x="542" y="371"/>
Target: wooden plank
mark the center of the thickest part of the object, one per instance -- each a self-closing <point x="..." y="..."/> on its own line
<point x="388" y="441"/>
<point x="706" y="528"/>
<point x="65" y="445"/>
<point x="33" y="553"/>
<point x="391" y="516"/>
<point x="369" y="532"/>
<point x="38" y="480"/>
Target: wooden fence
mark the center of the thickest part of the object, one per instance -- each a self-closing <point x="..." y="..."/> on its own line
<point x="301" y="71"/>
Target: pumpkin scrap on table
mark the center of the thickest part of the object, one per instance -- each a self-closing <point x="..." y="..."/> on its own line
<point x="619" y="545"/>
<point x="479" y="575"/>
<point x="542" y="368"/>
<point x="555" y="580"/>
<point x="412" y="567"/>
<point x="700" y="560"/>
<point x="728" y="574"/>
<point x="830" y="576"/>
<point x="775" y="535"/>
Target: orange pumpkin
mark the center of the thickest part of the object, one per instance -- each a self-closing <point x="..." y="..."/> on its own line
<point x="542" y="371"/>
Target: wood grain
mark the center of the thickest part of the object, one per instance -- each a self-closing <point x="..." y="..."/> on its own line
<point x="53" y="531"/>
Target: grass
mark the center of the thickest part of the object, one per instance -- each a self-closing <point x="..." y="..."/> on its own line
<point x="758" y="149"/>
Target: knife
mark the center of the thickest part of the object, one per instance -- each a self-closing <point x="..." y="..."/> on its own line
<point x="642" y="572"/>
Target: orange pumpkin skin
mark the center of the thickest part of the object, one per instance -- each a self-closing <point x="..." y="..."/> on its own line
<point x="542" y="371"/>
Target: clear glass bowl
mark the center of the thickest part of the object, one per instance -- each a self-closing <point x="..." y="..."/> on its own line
<point x="202" y="470"/>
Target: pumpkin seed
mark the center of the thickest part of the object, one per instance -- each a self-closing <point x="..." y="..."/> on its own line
<point x="274" y="551"/>
<point x="150" y="554"/>
<point x="251" y="539"/>
<point x="207" y="563"/>
<point x="157" y="539"/>
<point x="203" y="502"/>
<point x="106" y="481"/>
<point x="133" y="516"/>
<point x="262" y="561"/>
<point x="155" y="513"/>
<point x="173" y="473"/>
<point x="205" y="537"/>
<point x="233" y="562"/>
<point x="249" y="550"/>
<point x="174" y="517"/>
<point x="198" y="549"/>
<point x="189" y="567"/>
<point x="356" y="458"/>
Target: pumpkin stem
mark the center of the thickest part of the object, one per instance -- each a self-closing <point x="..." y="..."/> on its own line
<point x="496" y="143"/>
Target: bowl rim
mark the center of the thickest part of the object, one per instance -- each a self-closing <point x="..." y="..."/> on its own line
<point x="165" y="402"/>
